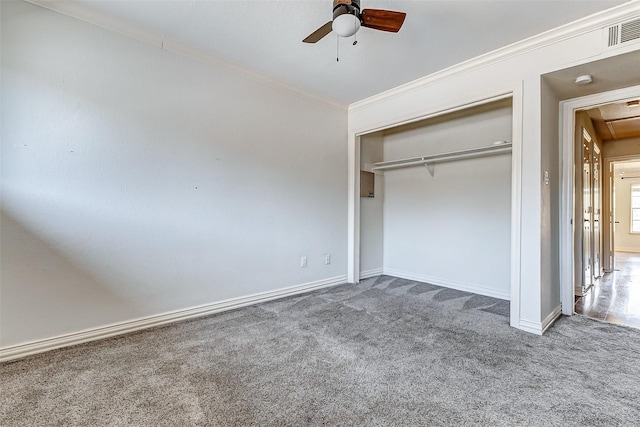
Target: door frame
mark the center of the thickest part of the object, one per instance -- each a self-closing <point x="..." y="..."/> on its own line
<point x="613" y="161"/>
<point x="608" y="206"/>
<point x="568" y="109"/>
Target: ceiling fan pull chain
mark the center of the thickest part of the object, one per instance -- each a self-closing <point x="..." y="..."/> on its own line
<point x="355" y="35"/>
<point x="337" y="48"/>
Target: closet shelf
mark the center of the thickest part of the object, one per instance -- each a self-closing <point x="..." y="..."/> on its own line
<point x="432" y="159"/>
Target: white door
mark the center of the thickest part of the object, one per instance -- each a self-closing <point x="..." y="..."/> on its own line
<point x="597" y="207"/>
<point x="587" y="210"/>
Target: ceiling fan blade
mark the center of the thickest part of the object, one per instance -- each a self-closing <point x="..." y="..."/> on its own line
<point x="318" y="34"/>
<point x="385" y="20"/>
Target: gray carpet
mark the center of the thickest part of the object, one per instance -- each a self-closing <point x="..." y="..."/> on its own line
<point x="386" y="352"/>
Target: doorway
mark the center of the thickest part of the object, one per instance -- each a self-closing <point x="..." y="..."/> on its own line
<point x="616" y="298"/>
<point x="606" y="200"/>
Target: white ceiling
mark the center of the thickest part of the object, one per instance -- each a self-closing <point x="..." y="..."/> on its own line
<point x="266" y="35"/>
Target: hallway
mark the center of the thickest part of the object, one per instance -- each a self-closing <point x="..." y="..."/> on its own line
<point x="616" y="299"/>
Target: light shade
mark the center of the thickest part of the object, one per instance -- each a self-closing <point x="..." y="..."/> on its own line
<point x="345" y="25"/>
<point x="583" y="80"/>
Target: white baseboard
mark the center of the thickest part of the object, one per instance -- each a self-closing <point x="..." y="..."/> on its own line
<point x="530" y="326"/>
<point x="552" y="317"/>
<point x="539" y="328"/>
<point x="467" y="287"/>
<point x="370" y="273"/>
<point x="40" y="346"/>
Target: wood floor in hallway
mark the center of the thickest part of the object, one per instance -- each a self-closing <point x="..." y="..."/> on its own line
<point x="616" y="298"/>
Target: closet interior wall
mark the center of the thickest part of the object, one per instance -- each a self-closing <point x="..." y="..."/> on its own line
<point x="371" y="209"/>
<point x="453" y="228"/>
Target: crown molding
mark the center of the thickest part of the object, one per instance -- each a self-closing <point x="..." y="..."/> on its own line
<point x="593" y="22"/>
<point x="91" y="16"/>
<point x="118" y="25"/>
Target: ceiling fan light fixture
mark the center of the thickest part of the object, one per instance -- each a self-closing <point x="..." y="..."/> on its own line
<point x="345" y="25"/>
<point x="347" y="20"/>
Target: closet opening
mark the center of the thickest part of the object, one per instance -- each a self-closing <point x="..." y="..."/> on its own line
<point x="436" y="201"/>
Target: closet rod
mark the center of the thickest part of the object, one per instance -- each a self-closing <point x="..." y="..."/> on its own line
<point x="444" y="157"/>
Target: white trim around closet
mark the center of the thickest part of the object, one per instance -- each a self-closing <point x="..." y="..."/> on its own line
<point x="353" y="248"/>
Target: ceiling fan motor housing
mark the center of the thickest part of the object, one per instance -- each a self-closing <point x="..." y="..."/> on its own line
<point x="346" y="17"/>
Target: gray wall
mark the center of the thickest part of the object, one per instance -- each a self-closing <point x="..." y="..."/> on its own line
<point x="550" y="238"/>
<point x="137" y="182"/>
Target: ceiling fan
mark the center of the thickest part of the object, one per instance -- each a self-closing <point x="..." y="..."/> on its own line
<point x="347" y="19"/>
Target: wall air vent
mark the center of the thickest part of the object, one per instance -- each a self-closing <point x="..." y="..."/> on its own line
<point x="630" y="31"/>
<point x="614" y="35"/>
<point x="622" y="33"/>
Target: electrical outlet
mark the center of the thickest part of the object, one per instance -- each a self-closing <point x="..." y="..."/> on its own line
<point x="327" y="259"/>
<point x="303" y="261"/>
